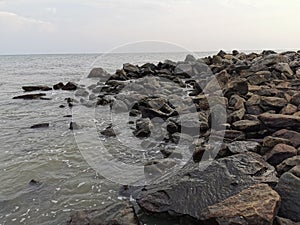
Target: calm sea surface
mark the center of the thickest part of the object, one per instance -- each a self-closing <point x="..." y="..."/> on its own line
<point x="50" y="155"/>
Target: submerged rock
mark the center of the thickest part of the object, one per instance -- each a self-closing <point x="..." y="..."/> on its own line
<point x="98" y="73"/>
<point x="40" y="125"/>
<point x="31" y="96"/>
<point x="120" y="213"/>
<point x="69" y="87"/>
<point x="36" y="88"/>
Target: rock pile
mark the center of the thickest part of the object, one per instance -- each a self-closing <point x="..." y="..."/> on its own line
<point x="255" y="178"/>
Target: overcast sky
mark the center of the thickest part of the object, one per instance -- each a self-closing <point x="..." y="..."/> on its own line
<point x="83" y="26"/>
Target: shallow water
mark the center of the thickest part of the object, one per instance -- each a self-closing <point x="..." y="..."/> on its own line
<point x="50" y="155"/>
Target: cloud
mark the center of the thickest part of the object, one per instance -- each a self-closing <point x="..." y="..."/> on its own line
<point x="11" y="22"/>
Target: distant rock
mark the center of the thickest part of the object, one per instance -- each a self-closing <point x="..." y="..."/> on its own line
<point x="40" y="125"/>
<point x="30" y="96"/>
<point x="69" y="87"/>
<point x="36" y="88"/>
<point x="58" y="86"/>
<point x="98" y="73"/>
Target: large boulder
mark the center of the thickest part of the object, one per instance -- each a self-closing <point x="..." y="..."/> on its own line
<point x="257" y="205"/>
<point x="289" y="189"/>
<point x="194" y="188"/>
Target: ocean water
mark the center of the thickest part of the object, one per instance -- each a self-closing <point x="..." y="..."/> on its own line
<point x="50" y="156"/>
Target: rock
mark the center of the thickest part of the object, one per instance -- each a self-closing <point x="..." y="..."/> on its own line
<point x="98" y="73"/>
<point x="82" y="93"/>
<point x="288" y="164"/>
<point x="289" y="109"/>
<point x="30" y="96"/>
<point x="257" y="205"/>
<point x="279" y="121"/>
<point x="119" y="213"/>
<point x="184" y="70"/>
<point x="193" y="189"/>
<point x="237" y="86"/>
<point x="143" y="128"/>
<point x="73" y="126"/>
<point x="279" y="153"/>
<point x="172" y="127"/>
<point x="271" y="141"/>
<point x="237" y="147"/>
<point x="58" y="86"/>
<point x="40" y="125"/>
<point x="284" y="221"/>
<point x="288" y="188"/>
<point x="129" y="68"/>
<point x="247" y="125"/>
<point x="273" y="102"/>
<point x="36" y="88"/>
<point x="109" y="132"/>
<point x="69" y="87"/>
<point x="235" y="52"/>
<point x="190" y="58"/>
<point x="292" y="136"/>
<point x="34" y="182"/>
<point x="257" y="78"/>
<point x="119" y="106"/>
<point x="296" y="99"/>
<point x="285" y="69"/>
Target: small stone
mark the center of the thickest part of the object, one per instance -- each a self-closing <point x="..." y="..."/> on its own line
<point x="70" y="87"/>
<point x="288" y="164"/>
<point x="58" y="86"/>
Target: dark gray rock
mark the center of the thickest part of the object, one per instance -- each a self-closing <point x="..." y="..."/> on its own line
<point x="98" y="73"/>
<point x="36" y="88"/>
<point x="193" y="189"/>
<point x="58" y="86"/>
<point x="31" y="96"/>
<point x="40" y="125"/>
<point x="289" y="189"/>
<point x="69" y="87"/>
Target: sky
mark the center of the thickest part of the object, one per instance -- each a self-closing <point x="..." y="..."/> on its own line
<point x="94" y="26"/>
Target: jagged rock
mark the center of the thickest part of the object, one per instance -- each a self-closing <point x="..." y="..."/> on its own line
<point x="237" y="86"/>
<point x="243" y="147"/>
<point x="40" y="125"/>
<point x="120" y="213"/>
<point x="273" y="102"/>
<point x="279" y="153"/>
<point x="289" y="109"/>
<point x="58" y="86"/>
<point x="285" y="69"/>
<point x="288" y="188"/>
<point x="256" y="205"/>
<point x="30" y="96"/>
<point x="109" y="132"/>
<point x="292" y="136"/>
<point x="98" y="73"/>
<point x="193" y="189"/>
<point x="143" y="128"/>
<point x="284" y="221"/>
<point x="36" y="88"/>
<point x="288" y="164"/>
<point x="271" y="141"/>
<point x="69" y="87"/>
<point x="296" y="99"/>
<point x="129" y="68"/>
<point x="279" y="121"/>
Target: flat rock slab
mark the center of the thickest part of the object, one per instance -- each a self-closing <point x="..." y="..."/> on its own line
<point x="30" y="96"/>
<point x="280" y="121"/>
<point x="36" y="88"/>
<point x="255" y="205"/>
<point x="193" y="189"/>
<point x="121" y="213"/>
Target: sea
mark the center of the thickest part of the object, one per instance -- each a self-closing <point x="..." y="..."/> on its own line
<point x="66" y="182"/>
